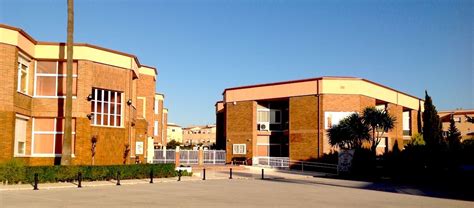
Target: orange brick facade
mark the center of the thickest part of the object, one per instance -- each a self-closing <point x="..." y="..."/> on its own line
<point x="306" y="130"/>
<point x="135" y="126"/>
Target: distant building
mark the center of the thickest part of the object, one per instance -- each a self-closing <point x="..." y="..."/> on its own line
<point x="465" y="128"/>
<point x="205" y="135"/>
<point x="175" y="132"/>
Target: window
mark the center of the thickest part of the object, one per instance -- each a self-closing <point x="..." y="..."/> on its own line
<point x="239" y="149"/>
<point x="263" y="115"/>
<point x="382" y="107"/>
<point x="48" y="136"/>
<point x="275" y="116"/>
<point x="23" y="74"/>
<point x="406" y="123"/>
<point x="333" y="118"/>
<point x="156" y="106"/>
<point x="50" y="78"/>
<point x="155" y="129"/>
<point x="106" y="107"/>
<point x="20" y="135"/>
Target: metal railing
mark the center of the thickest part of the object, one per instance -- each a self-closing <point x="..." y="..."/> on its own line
<point x="189" y="156"/>
<point x="214" y="156"/>
<point x="285" y="162"/>
<point x="164" y="156"/>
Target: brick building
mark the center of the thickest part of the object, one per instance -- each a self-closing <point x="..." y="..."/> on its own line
<point x="114" y="100"/>
<point x="290" y="119"/>
<point x="460" y="120"/>
<point x="199" y="135"/>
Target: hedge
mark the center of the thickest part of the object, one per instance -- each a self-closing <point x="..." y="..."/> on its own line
<point x="14" y="172"/>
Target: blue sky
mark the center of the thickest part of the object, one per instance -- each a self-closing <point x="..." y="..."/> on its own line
<point x="202" y="47"/>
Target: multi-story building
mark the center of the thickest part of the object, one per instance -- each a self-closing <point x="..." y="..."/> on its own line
<point x="291" y="119"/>
<point x="199" y="135"/>
<point x="160" y="125"/>
<point x="175" y="132"/>
<point x="113" y="102"/>
<point x="460" y="118"/>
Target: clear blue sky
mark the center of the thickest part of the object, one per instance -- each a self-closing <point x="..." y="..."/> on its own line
<point x="202" y="47"/>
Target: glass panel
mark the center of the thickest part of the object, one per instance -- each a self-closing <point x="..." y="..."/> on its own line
<point x="44" y="144"/>
<point x="99" y="117"/>
<point x="119" y="98"/>
<point x="112" y="97"/>
<point x="99" y="95"/>
<point x="106" y="95"/>
<point x="106" y="107"/>
<point x="112" y="108"/>
<point x="46" y="67"/>
<point x="119" y="109"/>
<point x="117" y="121"/>
<point x="46" y="86"/>
<point x="62" y="86"/>
<point x="63" y="68"/>
<point x="92" y="106"/>
<point x="106" y="120"/>
<point x="99" y="107"/>
<point x="44" y="124"/>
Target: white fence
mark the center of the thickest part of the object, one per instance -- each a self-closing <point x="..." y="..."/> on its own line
<point x="285" y="162"/>
<point x="214" y="156"/>
<point x="162" y="156"/>
<point x="190" y="157"/>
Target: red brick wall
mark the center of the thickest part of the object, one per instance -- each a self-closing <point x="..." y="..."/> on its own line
<point x="241" y="127"/>
<point x="303" y="129"/>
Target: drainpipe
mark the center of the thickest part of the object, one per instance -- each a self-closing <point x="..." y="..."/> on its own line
<point x="319" y="119"/>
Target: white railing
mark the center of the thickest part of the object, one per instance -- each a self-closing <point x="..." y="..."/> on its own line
<point x="164" y="156"/>
<point x="280" y="162"/>
<point x="285" y="162"/>
<point x="189" y="157"/>
<point x="214" y="156"/>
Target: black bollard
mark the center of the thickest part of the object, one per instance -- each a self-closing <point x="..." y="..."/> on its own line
<point x="179" y="175"/>
<point x="151" y="175"/>
<point x="118" y="178"/>
<point x="263" y="174"/>
<point x="79" y="180"/>
<point x="204" y="174"/>
<point x="35" y="185"/>
<point x="230" y="173"/>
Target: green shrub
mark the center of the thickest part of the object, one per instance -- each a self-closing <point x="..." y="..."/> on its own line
<point x="14" y="171"/>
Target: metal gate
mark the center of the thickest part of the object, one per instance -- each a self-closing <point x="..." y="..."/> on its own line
<point x="214" y="156"/>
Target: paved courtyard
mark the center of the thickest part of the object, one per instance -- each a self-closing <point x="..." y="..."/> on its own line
<point x="297" y="191"/>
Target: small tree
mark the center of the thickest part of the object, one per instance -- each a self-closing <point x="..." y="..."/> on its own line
<point x="378" y="122"/>
<point x="417" y="140"/>
<point x="432" y="132"/>
<point x="172" y="144"/>
<point x="454" y="136"/>
<point x="125" y="153"/>
<point x="349" y="133"/>
<point x="93" y="146"/>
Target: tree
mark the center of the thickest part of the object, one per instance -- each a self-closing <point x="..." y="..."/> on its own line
<point x="378" y="122"/>
<point x="172" y="144"/>
<point x="417" y="140"/>
<point x="432" y="133"/>
<point x="67" y="140"/>
<point x="349" y="133"/>
<point x="93" y="148"/>
<point x="454" y="136"/>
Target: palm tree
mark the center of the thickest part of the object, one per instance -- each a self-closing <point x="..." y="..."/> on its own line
<point x="378" y="122"/>
<point x="67" y="140"/>
<point x="350" y="133"/>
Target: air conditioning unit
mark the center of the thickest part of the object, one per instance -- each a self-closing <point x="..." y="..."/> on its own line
<point x="263" y="126"/>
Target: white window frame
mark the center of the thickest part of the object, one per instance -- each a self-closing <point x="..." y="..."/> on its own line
<point x="22" y="60"/>
<point x="95" y="100"/>
<point x="16" y="147"/>
<point x="56" y="75"/>
<point x="157" y="104"/>
<point x="239" y="149"/>
<point x="54" y="132"/>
